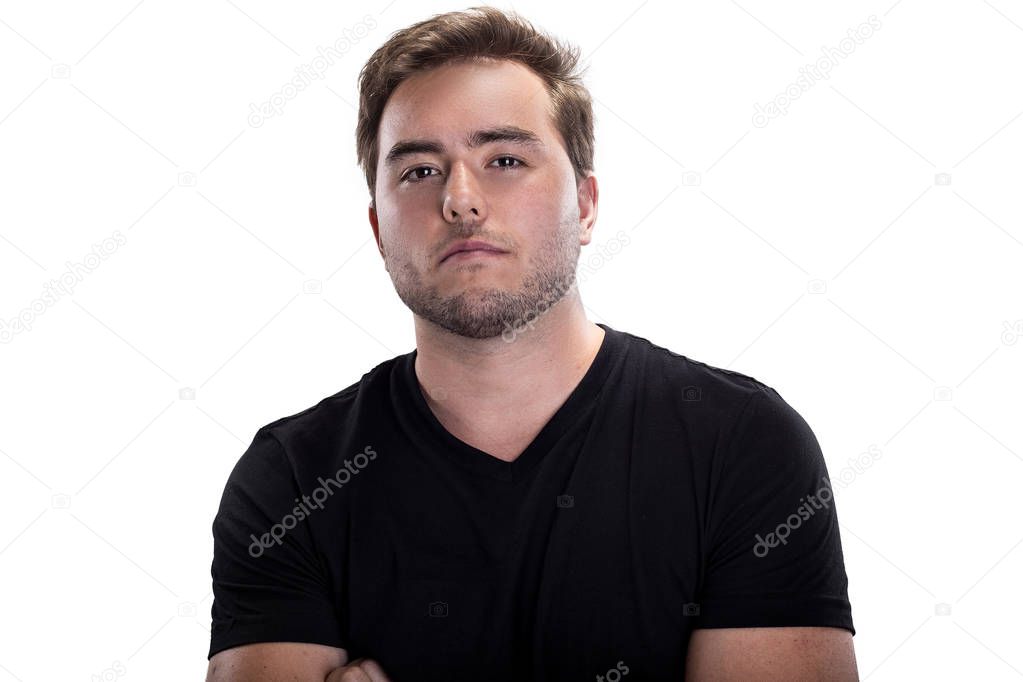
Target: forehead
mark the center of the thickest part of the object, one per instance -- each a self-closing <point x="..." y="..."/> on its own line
<point x="446" y="102"/>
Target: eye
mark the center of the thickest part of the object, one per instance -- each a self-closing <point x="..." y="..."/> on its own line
<point x="509" y="158"/>
<point x="411" y="177"/>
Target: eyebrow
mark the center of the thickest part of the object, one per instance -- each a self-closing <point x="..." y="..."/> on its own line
<point x="512" y="134"/>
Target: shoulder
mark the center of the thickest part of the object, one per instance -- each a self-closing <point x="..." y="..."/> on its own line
<point x="334" y="410"/>
<point x="316" y="432"/>
<point x="697" y="389"/>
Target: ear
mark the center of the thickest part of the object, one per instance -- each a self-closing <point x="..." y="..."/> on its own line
<point x="588" y="195"/>
<point x="376" y="228"/>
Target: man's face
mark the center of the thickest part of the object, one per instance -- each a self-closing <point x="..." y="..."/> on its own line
<point x="519" y="197"/>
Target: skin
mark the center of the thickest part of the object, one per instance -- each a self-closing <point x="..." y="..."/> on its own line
<point x="785" y="653"/>
<point x="277" y="662"/>
<point x="472" y="378"/>
<point x="291" y="662"/>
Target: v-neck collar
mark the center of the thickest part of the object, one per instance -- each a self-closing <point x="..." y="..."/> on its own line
<point x="409" y="400"/>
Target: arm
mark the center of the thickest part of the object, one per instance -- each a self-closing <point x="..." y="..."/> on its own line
<point x="276" y="662"/>
<point x="774" y="653"/>
<point x="291" y="662"/>
<point x="780" y="610"/>
<point x="273" y="615"/>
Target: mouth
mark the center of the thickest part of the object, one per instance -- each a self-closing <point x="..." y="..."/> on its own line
<point x="473" y="247"/>
<point x="473" y="254"/>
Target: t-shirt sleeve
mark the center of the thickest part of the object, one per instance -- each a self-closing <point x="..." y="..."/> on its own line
<point x="269" y="582"/>
<point x="774" y="553"/>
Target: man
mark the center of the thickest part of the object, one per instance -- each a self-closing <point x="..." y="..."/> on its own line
<point x="526" y="495"/>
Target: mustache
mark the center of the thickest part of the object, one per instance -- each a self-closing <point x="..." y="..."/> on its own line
<point x="458" y="234"/>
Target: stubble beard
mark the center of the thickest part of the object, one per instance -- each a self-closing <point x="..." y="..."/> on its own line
<point x="483" y="312"/>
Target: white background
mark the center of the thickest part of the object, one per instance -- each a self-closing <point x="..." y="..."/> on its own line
<point x="823" y="253"/>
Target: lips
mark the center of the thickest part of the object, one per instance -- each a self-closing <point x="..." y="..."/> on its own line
<point x="471" y="245"/>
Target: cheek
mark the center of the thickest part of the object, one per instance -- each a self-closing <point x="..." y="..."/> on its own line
<point x="393" y="237"/>
<point x="400" y="244"/>
<point x="539" y="195"/>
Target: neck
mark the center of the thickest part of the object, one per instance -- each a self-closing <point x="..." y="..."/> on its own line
<point x="490" y="379"/>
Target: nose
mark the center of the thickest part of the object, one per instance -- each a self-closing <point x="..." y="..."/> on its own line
<point x="463" y="200"/>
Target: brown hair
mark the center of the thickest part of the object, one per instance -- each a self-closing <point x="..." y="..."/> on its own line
<point x="476" y="34"/>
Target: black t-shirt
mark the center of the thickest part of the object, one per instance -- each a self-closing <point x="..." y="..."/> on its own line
<point x="664" y="495"/>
